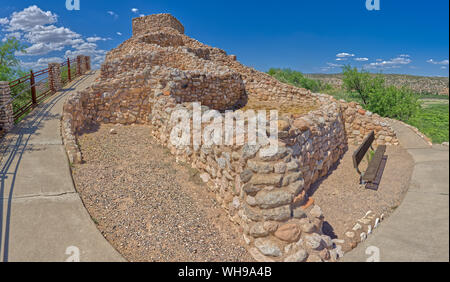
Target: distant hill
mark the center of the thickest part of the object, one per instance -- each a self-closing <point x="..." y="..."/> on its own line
<point x="421" y="84"/>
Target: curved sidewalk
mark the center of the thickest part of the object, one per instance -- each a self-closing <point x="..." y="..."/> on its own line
<point x="42" y="217"/>
<point x="418" y="231"/>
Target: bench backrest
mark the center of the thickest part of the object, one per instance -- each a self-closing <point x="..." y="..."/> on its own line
<point x="362" y="149"/>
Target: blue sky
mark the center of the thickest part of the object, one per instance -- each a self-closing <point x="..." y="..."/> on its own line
<point x="404" y="36"/>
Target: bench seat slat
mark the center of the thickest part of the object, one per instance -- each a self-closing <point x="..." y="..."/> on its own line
<point x="374" y="165"/>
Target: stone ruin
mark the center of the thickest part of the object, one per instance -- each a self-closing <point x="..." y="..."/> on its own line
<point x="160" y="70"/>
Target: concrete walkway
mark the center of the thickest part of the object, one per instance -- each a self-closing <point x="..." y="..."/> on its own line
<point x="42" y="217"/>
<point x="419" y="229"/>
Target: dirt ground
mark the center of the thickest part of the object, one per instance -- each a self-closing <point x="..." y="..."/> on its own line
<point x="152" y="209"/>
<point x="147" y="206"/>
<point x="344" y="201"/>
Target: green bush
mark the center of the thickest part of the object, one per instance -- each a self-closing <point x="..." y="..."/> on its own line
<point x="297" y="79"/>
<point x="393" y="102"/>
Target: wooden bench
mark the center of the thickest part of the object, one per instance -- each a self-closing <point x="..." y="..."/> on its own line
<point x="372" y="176"/>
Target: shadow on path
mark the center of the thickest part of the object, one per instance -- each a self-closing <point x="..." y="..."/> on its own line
<point x="14" y="151"/>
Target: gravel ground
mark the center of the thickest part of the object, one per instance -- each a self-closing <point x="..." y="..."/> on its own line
<point x="344" y="201"/>
<point x="147" y="206"/>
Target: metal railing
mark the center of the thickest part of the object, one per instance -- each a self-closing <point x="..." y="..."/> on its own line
<point x="29" y="91"/>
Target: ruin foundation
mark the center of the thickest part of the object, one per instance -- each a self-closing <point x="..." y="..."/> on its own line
<point x="160" y="70"/>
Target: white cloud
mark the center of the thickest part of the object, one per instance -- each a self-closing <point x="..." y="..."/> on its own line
<point x="29" y="18"/>
<point x="443" y="68"/>
<point x="38" y="29"/>
<point x="392" y="63"/>
<point x="96" y="38"/>
<point x="45" y="39"/>
<point x="141" y="15"/>
<point x="135" y="10"/>
<point x="41" y="63"/>
<point x="119" y="33"/>
<point x="114" y="15"/>
<point x="341" y="59"/>
<point x="88" y="49"/>
<point x="17" y="35"/>
<point x="443" y="62"/>
<point x="404" y="55"/>
<point x="344" y="55"/>
<point x="361" y="59"/>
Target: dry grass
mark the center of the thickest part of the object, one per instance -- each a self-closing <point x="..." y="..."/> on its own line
<point x="283" y="108"/>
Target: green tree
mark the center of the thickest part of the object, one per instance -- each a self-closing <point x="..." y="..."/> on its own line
<point x="361" y="82"/>
<point x="393" y="102"/>
<point x="9" y="63"/>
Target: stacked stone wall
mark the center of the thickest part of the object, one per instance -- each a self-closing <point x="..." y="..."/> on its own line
<point x="152" y="75"/>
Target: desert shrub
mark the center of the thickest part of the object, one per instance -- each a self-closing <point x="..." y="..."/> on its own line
<point x="393" y="102"/>
<point x="297" y="79"/>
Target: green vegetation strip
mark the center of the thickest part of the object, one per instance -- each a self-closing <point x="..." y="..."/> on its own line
<point x="428" y="112"/>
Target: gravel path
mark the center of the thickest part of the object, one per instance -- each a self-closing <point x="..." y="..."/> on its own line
<point x="344" y="201"/>
<point x="147" y="206"/>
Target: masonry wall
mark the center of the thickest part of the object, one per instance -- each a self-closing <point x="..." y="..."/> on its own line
<point x="160" y="70"/>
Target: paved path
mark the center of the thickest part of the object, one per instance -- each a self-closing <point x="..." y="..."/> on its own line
<point x="419" y="229"/>
<point x="42" y="217"/>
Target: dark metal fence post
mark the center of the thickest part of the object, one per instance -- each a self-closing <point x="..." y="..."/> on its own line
<point x="68" y="70"/>
<point x="33" y="89"/>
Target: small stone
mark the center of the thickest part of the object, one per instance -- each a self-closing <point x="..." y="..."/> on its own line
<point x="313" y="241"/>
<point x="267" y="247"/>
<point x="260" y="167"/>
<point x="290" y="178"/>
<point x="251" y="201"/>
<point x="258" y="230"/>
<point x="258" y="256"/>
<point x="283" y="125"/>
<point x="299" y="213"/>
<point x="273" y="199"/>
<point x="280" y="168"/>
<point x="246" y="175"/>
<point x="299" y="256"/>
<point x="357" y="227"/>
<point x="222" y="163"/>
<point x="267" y="179"/>
<point x="246" y="239"/>
<point x="113" y="131"/>
<point x="316" y="212"/>
<point x="281" y="153"/>
<point x="363" y="236"/>
<point x="271" y="226"/>
<point x="292" y="166"/>
<point x="301" y="124"/>
<point x="377" y="223"/>
<point x="327" y="240"/>
<point x="308" y="227"/>
<point x="289" y="232"/>
<point x="204" y="177"/>
<point x="350" y="234"/>
<point x="249" y="151"/>
<point x="250" y="188"/>
<point x="277" y="214"/>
